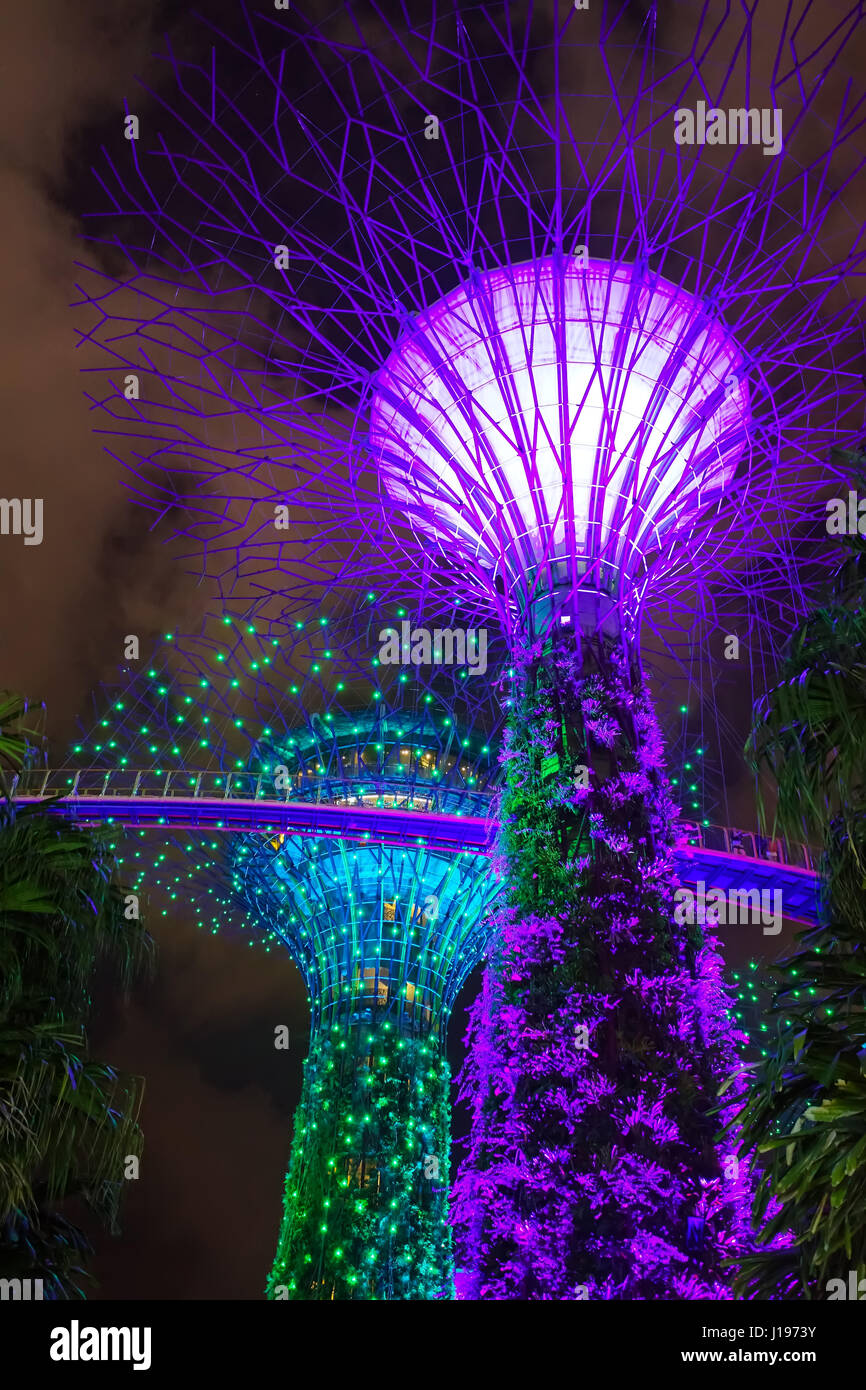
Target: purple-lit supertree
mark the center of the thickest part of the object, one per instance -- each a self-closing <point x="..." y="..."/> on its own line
<point x="497" y="302"/>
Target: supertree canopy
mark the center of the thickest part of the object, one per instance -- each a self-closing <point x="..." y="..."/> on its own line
<point x="557" y="418"/>
<point x="551" y="315"/>
<point x="384" y="935"/>
<point x="299" y="211"/>
<point x="332" y="907"/>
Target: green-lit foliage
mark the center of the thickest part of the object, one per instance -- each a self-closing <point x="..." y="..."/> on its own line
<point x="365" y="1202"/>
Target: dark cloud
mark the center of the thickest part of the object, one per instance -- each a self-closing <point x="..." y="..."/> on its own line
<point x="202" y="1219"/>
<point x="99" y="572"/>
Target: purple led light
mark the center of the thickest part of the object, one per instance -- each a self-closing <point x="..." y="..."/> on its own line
<point x="560" y="409"/>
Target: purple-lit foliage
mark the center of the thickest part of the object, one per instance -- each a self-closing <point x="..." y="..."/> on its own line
<point x="603" y="1034"/>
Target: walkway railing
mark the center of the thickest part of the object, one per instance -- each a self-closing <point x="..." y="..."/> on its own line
<point x="88" y="784"/>
<point x="727" y="840"/>
<point x="370" y="790"/>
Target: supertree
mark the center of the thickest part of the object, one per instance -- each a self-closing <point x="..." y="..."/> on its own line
<point x="383" y="934"/>
<point x="498" y="303"/>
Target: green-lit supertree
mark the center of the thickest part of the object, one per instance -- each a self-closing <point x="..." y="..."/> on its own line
<point x="384" y="934"/>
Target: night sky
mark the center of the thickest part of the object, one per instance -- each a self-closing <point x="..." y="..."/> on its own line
<point x="202" y="1221"/>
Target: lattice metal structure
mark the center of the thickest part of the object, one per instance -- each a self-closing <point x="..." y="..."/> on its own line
<point x="296" y="207"/>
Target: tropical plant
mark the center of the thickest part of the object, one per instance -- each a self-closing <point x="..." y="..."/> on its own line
<point x="66" y="1121"/>
<point x="16" y="748"/>
<point x="805" y="1114"/>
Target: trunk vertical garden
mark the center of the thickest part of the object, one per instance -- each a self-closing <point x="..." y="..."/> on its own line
<point x="602" y="1038"/>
